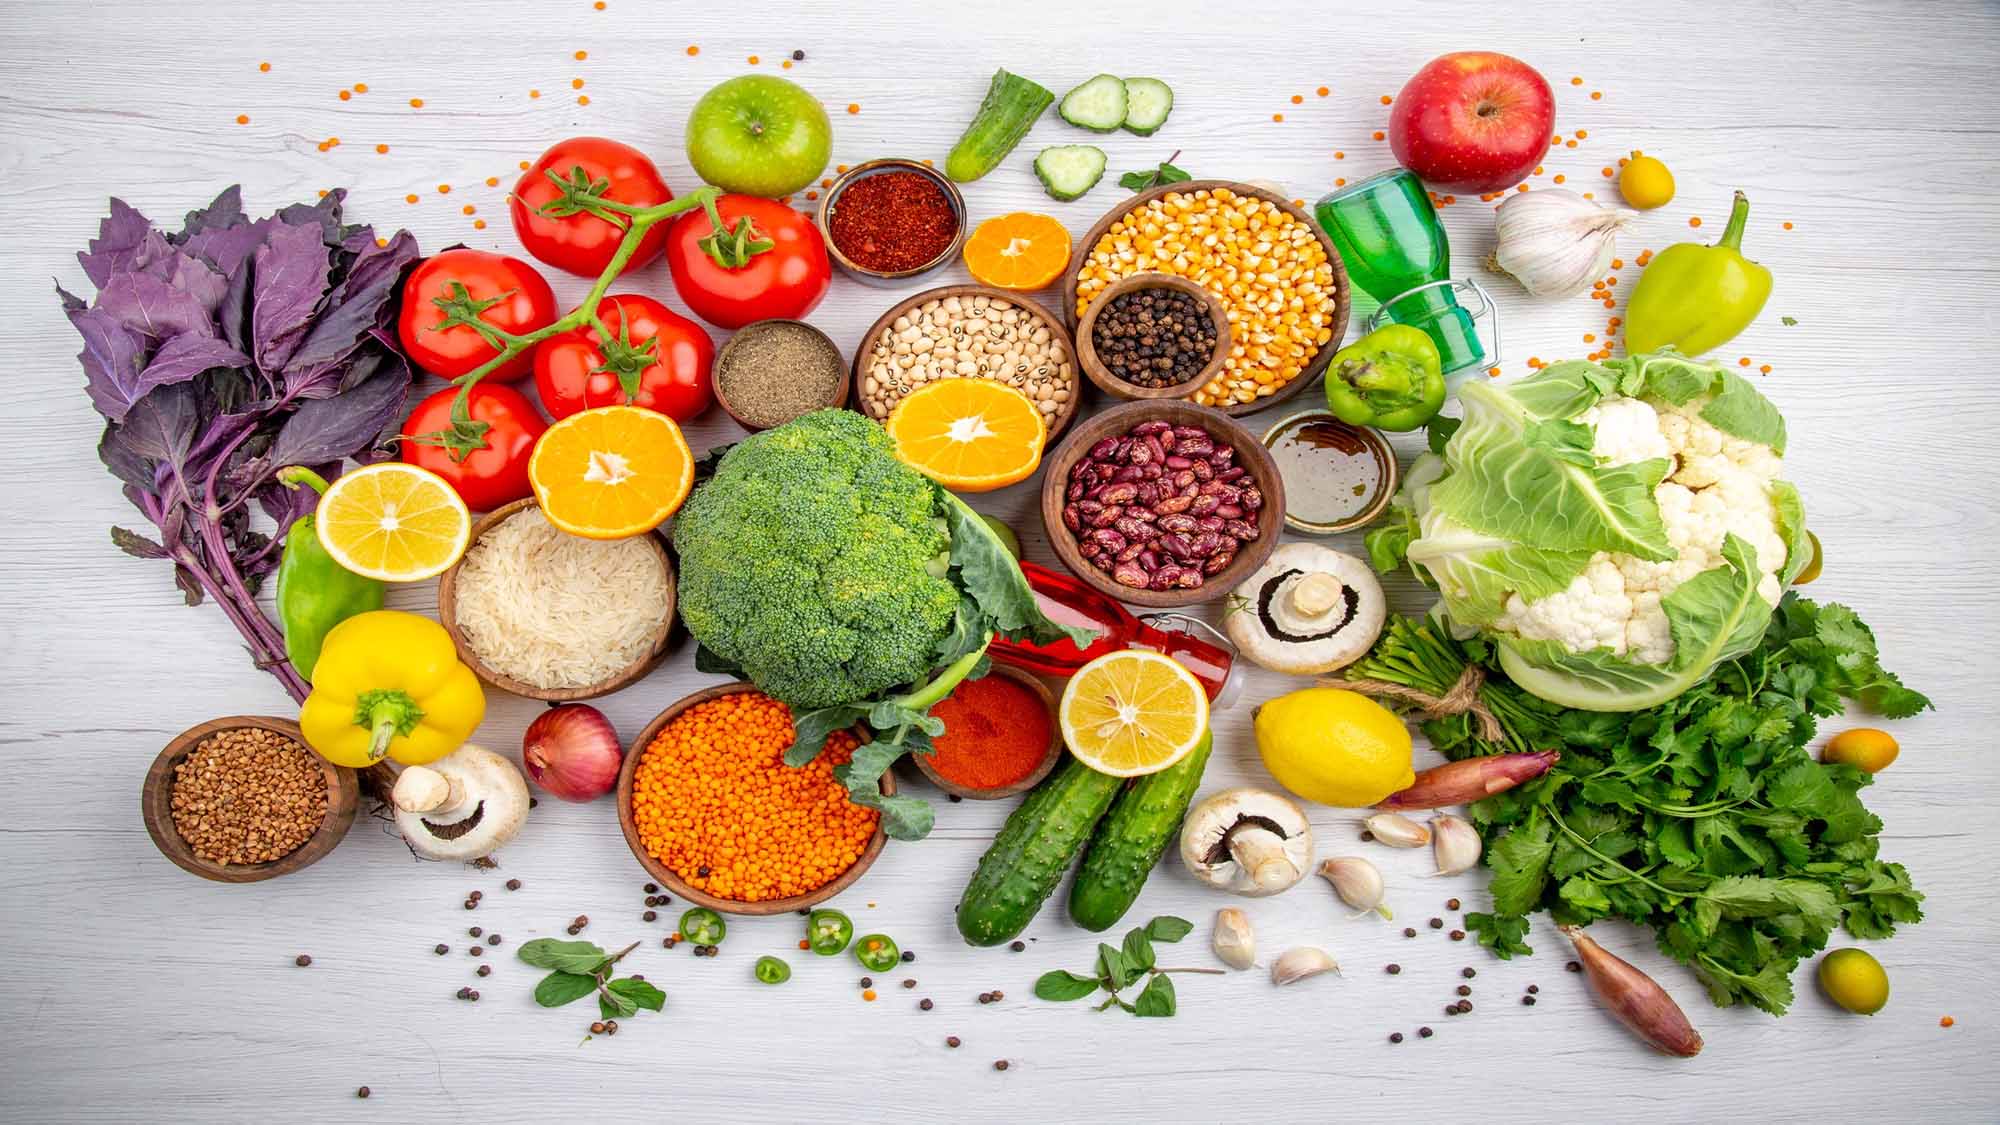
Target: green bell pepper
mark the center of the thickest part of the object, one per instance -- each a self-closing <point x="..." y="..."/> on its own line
<point x="1695" y="297"/>
<point x="315" y="593"/>
<point x="1391" y="379"/>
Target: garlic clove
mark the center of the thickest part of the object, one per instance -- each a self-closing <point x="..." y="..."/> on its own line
<point x="1233" y="940"/>
<point x="1357" y="882"/>
<point x="1457" y="844"/>
<point x="1295" y="965"/>
<point x="1396" y="830"/>
<point x="1555" y="242"/>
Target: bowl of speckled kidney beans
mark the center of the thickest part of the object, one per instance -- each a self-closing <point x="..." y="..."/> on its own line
<point x="1162" y="503"/>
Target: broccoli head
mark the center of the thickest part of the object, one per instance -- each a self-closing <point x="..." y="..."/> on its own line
<point x="810" y="561"/>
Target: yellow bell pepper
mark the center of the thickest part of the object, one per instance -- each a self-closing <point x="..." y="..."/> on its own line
<point x="390" y="684"/>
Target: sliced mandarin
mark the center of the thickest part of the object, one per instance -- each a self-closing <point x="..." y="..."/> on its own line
<point x="612" y="472"/>
<point x="1022" y="250"/>
<point x="970" y="435"/>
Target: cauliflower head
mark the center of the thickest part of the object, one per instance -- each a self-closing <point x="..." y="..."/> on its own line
<point x="1619" y="529"/>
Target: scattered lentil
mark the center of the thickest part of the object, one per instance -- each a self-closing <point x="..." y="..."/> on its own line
<point x="247" y="795"/>
<point x="772" y="373"/>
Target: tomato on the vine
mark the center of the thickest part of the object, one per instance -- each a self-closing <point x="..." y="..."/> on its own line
<point x="454" y="302"/>
<point x="485" y="478"/>
<point x="654" y="357"/>
<point x="558" y="204"/>
<point x="743" y="258"/>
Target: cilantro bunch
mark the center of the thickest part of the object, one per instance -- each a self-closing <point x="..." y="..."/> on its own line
<point x="1705" y="818"/>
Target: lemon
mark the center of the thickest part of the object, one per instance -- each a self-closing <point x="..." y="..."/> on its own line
<point x="1334" y="747"/>
<point x="393" y="522"/>
<point x="1646" y="183"/>
<point x="1854" y="980"/>
<point x="1132" y="712"/>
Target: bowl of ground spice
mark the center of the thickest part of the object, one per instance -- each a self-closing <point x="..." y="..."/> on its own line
<point x="712" y="812"/>
<point x="1000" y="736"/>
<point x="887" y="221"/>
<point x="773" y="371"/>
<point x="242" y="799"/>
<point x="1153" y="335"/>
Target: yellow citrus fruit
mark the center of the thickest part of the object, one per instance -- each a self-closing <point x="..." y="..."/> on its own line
<point x="612" y="472"/>
<point x="1133" y="712"/>
<point x="1855" y="980"/>
<point x="1021" y="250"/>
<point x="1864" y="748"/>
<point x="1810" y="571"/>
<point x="970" y="435"/>
<point x="1645" y="183"/>
<point x="1335" y="747"/>
<point x="393" y="522"/>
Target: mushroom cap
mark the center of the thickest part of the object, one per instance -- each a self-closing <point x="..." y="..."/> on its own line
<point x="1253" y="814"/>
<point x="1293" y="619"/>
<point x="492" y="804"/>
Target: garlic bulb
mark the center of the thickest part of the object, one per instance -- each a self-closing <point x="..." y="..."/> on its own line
<point x="1555" y="242"/>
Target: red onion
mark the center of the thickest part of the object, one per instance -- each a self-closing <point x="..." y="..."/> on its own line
<point x="572" y="752"/>
<point x="1462" y="782"/>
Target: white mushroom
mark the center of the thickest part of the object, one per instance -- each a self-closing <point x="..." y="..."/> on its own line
<point x="1309" y="610"/>
<point x="462" y="806"/>
<point x="1248" y="842"/>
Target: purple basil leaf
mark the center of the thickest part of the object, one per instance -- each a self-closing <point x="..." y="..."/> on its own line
<point x="125" y="462"/>
<point x="291" y="277"/>
<point x="118" y="240"/>
<point x="329" y="429"/>
<point x="219" y="434"/>
<point x="324" y="214"/>
<point x="234" y="315"/>
<point x="284" y="505"/>
<point x="112" y="359"/>
<point x="228" y="249"/>
<point x="357" y="304"/>
<point x="187" y="356"/>
<point x="153" y="306"/>
<point x="226" y="211"/>
<point x="193" y="276"/>
<point x="136" y="545"/>
<point x="161" y="428"/>
<point x="189" y="584"/>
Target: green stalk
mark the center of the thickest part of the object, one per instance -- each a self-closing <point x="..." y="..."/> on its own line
<point x="929" y="694"/>
<point x="1739" y="216"/>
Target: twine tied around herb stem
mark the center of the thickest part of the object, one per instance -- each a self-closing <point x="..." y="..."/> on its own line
<point x="1462" y="699"/>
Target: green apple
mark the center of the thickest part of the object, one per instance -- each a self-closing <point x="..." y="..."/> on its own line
<point x="759" y="135"/>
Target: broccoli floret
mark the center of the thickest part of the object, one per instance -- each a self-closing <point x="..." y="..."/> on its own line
<point x="804" y="562"/>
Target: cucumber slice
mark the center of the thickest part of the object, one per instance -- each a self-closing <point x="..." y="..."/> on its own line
<point x="1067" y="171"/>
<point x="1148" y="101"/>
<point x="1097" y="105"/>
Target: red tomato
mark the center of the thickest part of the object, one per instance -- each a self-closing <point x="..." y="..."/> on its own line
<point x="486" y="478"/>
<point x="583" y="243"/>
<point x="787" y="280"/>
<point x="504" y="292"/>
<point x="669" y="354"/>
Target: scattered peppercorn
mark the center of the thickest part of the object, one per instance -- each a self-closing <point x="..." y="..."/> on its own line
<point x="650" y="916"/>
<point x="1468" y="972"/>
<point x="909" y="982"/>
<point x="597" y="1027"/>
<point x="581" y="920"/>
<point x="1528" y="1000"/>
<point x="1425" y="1033"/>
<point x="1395" y="1037"/>
<point x="513" y="884"/>
<point x="1572" y="967"/>
<point x="302" y="960"/>
<point x="986" y="998"/>
<point x="868" y="982"/>
<point x="1367" y="837"/>
<point x="998" y="996"/>
<point x="1409" y="931"/>
<point x="925" y="1004"/>
<point x="363" y="1092"/>
<point x="472" y="904"/>
<point x="1393" y="969"/>
<point x="1437" y="923"/>
<point x="999" y="1064"/>
<point x="652" y="888"/>
<point x="441" y="949"/>
<point x="1465" y="1005"/>
<point x="908" y="956"/>
<point x="485" y="970"/>
<point x="668" y="943"/>
<point x="1534" y="988"/>
<point x="573" y="930"/>
<point x="475" y="932"/>
<point x="1465" y="990"/>
<point x="1018" y="946"/>
<point x="493" y="939"/>
<point x="476" y="895"/>
<point x="1451" y="904"/>
<point x="1458" y="935"/>
<point x="951" y="1040"/>
<point x="1451" y="1009"/>
<point x="610" y="1027"/>
<point x="798" y="56"/>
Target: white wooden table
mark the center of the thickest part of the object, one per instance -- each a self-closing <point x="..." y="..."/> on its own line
<point x="130" y="990"/>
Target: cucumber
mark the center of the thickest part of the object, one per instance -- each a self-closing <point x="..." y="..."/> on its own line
<point x="1032" y="851"/>
<point x="1012" y="104"/>
<point x="1147" y="103"/>
<point x="1097" y="105"/>
<point x="1129" y="841"/>
<point x="1067" y="171"/>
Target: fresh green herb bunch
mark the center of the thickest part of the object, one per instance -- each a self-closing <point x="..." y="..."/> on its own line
<point x="1119" y="967"/>
<point x="1705" y="818"/>
<point x="579" y="968"/>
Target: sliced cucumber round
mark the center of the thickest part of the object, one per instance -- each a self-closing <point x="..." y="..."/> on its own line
<point x="1067" y="171"/>
<point x="1097" y="105"/>
<point x="1148" y="101"/>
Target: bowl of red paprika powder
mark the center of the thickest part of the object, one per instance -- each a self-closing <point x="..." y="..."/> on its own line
<point x="1000" y="736"/>
<point x="890" y="221"/>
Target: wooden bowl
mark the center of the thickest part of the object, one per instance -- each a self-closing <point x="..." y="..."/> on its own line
<point x="1261" y="469"/>
<point x="1054" y="423"/>
<point x="1050" y="756"/>
<point x="1086" y="341"/>
<point x="343" y="794"/>
<point x="447" y="608"/>
<point x="1361" y="437"/>
<point x="837" y="399"/>
<point x="829" y="202"/>
<point x="665" y="875"/>
<point x="1341" y="307"/>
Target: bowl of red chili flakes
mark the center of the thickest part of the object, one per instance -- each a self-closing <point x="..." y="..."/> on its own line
<point x="891" y="221"/>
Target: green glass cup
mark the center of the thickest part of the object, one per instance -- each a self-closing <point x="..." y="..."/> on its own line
<point x="1394" y="248"/>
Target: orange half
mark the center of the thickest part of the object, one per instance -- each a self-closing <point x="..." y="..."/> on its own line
<point x="1022" y="250"/>
<point x="612" y="472"/>
<point x="969" y="435"/>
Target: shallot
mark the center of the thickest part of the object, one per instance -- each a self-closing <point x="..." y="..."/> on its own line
<point x="1634" y="998"/>
<point x="572" y="752"/>
<point x="1462" y="782"/>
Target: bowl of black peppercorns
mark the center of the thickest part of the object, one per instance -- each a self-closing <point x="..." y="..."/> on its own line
<point x="1153" y="335"/>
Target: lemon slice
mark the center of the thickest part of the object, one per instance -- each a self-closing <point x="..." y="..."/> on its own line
<point x="1132" y="713"/>
<point x="393" y="522"/>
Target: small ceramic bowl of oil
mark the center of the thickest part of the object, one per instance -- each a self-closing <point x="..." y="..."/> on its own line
<point x="1338" y="477"/>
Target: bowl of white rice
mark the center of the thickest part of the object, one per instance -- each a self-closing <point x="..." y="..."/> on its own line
<point x="553" y="616"/>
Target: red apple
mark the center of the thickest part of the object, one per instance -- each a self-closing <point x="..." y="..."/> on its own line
<point x="1473" y="121"/>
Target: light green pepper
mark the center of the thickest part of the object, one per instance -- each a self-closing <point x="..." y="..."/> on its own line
<point x="1695" y="297"/>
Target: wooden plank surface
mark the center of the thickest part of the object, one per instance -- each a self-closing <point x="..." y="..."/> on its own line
<point x="132" y="991"/>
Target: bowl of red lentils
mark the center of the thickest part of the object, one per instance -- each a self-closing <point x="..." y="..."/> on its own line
<point x="712" y="812"/>
<point x="243" y="799"/>
<point x="891" y="221"/>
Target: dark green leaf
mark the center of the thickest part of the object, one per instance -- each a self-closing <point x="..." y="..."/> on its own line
<point x="1520" y="862"/>
<point x="1787" y="321"/>
<point x="709" y="664"/>
<point x="568" y="956"/>
<point x="1114" y="968"/>
<point x="1504" y="934"/>
<point x="1059" y="985"/>
<point x="1168" y="928"/>
<point x="559" y="988"/>
<point x="638" y="992"/>
<point x="1157" y="998"/>
<point x="811" y="729"/>
<point x="989" y="574"/>
<point x="615" y="1007"/>
<point x="1138" y="949"/>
